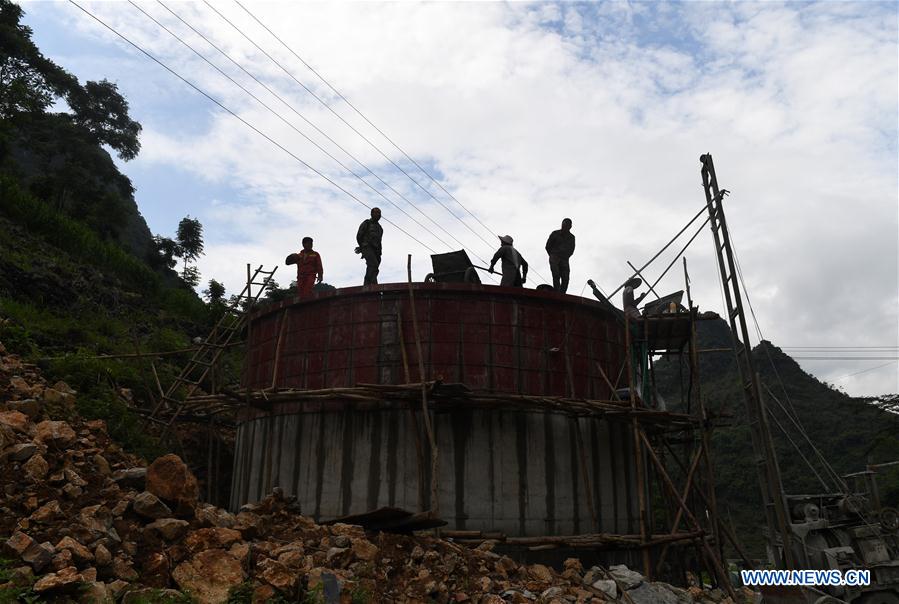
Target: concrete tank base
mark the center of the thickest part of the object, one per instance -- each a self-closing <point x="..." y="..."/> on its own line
<point x="519" y="472"/>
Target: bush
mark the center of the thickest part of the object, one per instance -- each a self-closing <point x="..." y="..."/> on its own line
<point x="74" y="237"/>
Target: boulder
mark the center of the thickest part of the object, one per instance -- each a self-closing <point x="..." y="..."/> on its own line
<point x="540" y="573"/>
<point x="79" y="552"/>
<point x="648" y="593"/>
<point x="122" y="569"/>
<point x="606" y="586"/>
<point x="102" y="555"/>
<point x="364" y="549"/>
<point x="169" y="529"/>
<point x="38" y="556"/>
<point x="132" y="478"/>
<point x="209" y="575"/>
<point x="102" y="465"/>
<point x="211" y="538"/>
<point x="48" y="512"/>
<point x="170" y="479"/>
<point x="18" y="544"/>
<point x="148" y="505"/>
<point x="67" y="577"/>
<point x="14" y="419"/>
<point x="276" y="574"/>
<point x="28" y="406"/>
<point x="54" y="433"/>
<point x="151" y="594"/>
<point x="22" y="451"/>
<point x="627" y="578"/>
<point x="95" y="592"/>
<point x="36" y="468"/>
<point x="65" y="400"/>
<point x="210" y="515"/>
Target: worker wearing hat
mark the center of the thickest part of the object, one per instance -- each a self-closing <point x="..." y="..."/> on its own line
<point x="515" y="267"/>
<point x="630" y="304"/>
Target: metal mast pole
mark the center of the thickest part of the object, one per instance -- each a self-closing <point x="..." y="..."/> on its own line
<point x="776" y="514"/>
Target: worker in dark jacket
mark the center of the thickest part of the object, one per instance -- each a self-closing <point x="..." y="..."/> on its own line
<point x="309" y="268"/>
<point x="512" y="263"/>
<point x="560" y="247"/>
<point x="369" y="239"/>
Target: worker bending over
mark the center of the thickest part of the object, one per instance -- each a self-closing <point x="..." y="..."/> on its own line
<point x="630" y="304"/>
<point x="369" y="239"/>
<point x="560" y="247"/>
<point x="513" y="262"/>
<point x="309" y="268"/>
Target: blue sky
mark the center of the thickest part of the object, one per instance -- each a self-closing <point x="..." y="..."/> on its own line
<point x="528" y="113"/>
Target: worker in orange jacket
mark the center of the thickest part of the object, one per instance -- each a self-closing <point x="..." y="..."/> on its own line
<point x="309" y="268"/>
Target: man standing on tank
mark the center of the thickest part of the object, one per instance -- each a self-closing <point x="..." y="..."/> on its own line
<point x="369" y="239"/>
<point x="560" y="247"/>
<point x="515" y="267"/>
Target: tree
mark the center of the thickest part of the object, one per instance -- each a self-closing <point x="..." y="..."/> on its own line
<point x="103" y="112"/>
<point x="191" y="276"/>
<point x="190" y="239"/>
<point x="215" y="293"/>
<point x="168" y="250"/>
<point x="30" y="83"/>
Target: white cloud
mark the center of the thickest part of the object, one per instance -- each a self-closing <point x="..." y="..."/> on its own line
<point x="535" y="112"/>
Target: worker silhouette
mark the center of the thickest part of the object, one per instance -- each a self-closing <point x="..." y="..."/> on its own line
<point x="560" y="247"/>
<point x="514" y="266"/>
<point x="630" y="304"/>
<point x="309" y="268"/>
<point x="369" y="239"/>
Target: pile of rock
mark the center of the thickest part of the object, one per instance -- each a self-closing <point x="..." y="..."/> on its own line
<point x="85" y="521"/>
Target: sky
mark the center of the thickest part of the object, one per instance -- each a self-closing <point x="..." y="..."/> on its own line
<point x="518" y="115"/>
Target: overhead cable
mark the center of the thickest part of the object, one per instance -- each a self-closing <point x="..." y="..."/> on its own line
<point x="659" y="253"/>
<point x="242" y="120"/>
<point x="288" y="123"/>
<point x="312" y="124"/>
<point x="360" y="114"/>
<point x="342" y="119"/>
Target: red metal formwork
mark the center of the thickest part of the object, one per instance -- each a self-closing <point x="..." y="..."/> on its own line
<point x="494" y="339"/>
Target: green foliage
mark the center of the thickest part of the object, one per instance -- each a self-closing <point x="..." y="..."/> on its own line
<point x="191" y="276"/>
<point x="103" y="112"/>
<point x="159" y="596"/>
<point x="190" y="238"/>
<point x="241" y="594"/>
<point x="73" y="237"/>
<point x="316" y="595"/>
<point x="215" y="293"/>
<point x="28" y="81"/>
<point x="361" y="595"/>
<point x="14" y="593"/>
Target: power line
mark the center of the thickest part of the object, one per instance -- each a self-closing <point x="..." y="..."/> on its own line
<point x="242" y="120"/>
<point x="358" y="112"/>
<point x="279" y="116"/>
<point x="887" y="364"/>
<point x="849" y="358"/>
<point x="313" y="125"/>
<point x="341" y="118"/>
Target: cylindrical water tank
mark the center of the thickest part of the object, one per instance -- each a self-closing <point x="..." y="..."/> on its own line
<point x="502" y="467"/>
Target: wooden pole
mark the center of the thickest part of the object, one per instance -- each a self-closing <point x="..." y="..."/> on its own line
<point x="638" y="454"/>
<point x="419" y="454"/>
<point x="435" y="504"/>
<point x="277" y="362"/>
<point x="716" y="562"/>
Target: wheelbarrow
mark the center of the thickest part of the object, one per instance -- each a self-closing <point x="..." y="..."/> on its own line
<point x="453" y="267"/>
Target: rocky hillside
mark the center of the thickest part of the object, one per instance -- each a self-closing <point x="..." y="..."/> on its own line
<point x="81" y="520"/>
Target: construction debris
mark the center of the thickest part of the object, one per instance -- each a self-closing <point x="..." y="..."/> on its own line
<point x="83" y="521"/>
